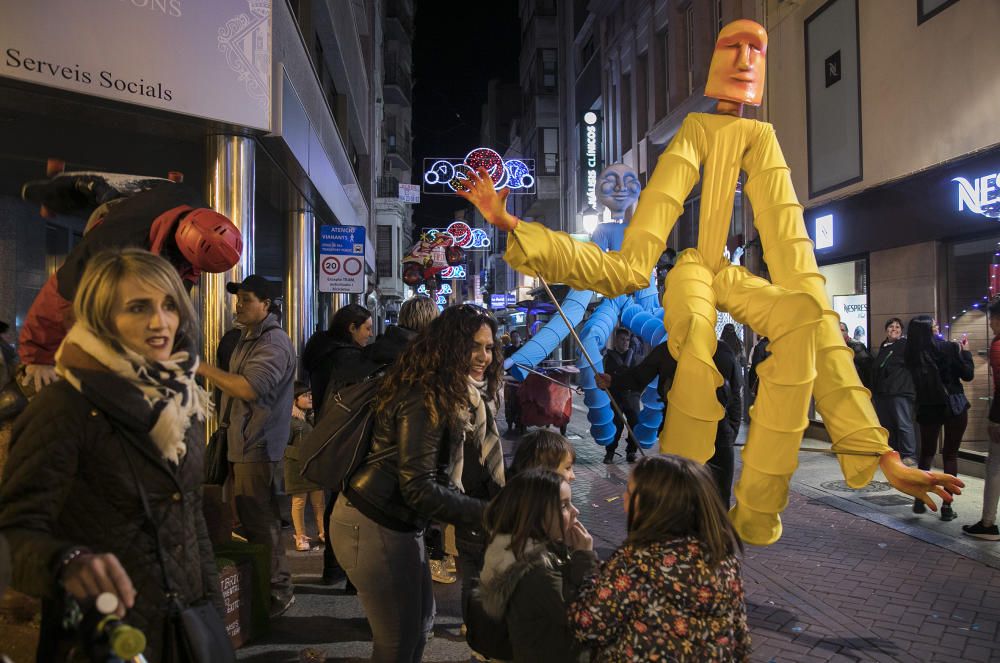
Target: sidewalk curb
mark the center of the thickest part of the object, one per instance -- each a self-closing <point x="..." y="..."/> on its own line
<point x="949" y="543"/>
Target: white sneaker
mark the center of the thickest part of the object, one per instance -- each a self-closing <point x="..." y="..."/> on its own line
<point x="439" y="573"/>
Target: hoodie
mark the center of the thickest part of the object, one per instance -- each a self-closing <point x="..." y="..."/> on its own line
<point x="532" y="594"/>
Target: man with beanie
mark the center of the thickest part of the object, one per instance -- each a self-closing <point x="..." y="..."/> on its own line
<point x="257" y="393"/>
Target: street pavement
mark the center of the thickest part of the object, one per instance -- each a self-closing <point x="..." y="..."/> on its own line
<point x="856" y="576"/>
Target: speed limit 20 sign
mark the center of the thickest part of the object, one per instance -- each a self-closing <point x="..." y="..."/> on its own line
<point x="342" y="259"/>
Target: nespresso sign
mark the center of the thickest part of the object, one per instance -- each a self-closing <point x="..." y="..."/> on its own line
<point x="207" y="59"/>
<point x="980" y="195"/>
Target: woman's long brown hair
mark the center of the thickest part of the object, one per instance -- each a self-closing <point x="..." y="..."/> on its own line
<point x="673" y="497"/>
<point x="437" y="364"/>
<point x="524" y="507"/>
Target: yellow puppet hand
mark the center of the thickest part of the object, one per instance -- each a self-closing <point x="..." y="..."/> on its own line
<point x="919" y="483"/>
<point x="478" y="189"/>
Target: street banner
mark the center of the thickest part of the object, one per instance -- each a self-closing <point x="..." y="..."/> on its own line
<point x="409" y="193"/>
<point x="342" y="259"/>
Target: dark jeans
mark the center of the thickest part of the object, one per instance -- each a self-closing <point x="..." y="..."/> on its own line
<point x="254" y="493"/>
<point x="632" y="416"/>
<point x="954" y="428"/>
<point x="895" y="413"/>
<point x="393" y="578"/>
<point x="721" y="465"/>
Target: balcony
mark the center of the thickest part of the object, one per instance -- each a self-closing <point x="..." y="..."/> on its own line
<point x="398" y="150"/>
<point x="398" y="86"/>
<point x="399" y="20"/>
<point x="387" y="186"/>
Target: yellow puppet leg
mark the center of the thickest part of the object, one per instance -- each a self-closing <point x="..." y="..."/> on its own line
<point x="779" y="415"/>
<point x="840" y="398"/>
<point x="693" y="411"/>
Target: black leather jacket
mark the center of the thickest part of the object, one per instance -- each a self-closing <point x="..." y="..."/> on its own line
<point x="403" y="483"/>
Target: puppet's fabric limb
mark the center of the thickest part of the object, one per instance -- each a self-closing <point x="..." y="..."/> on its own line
<point x="780" y="413"/>
<point x="840" y="398"/>
<point x="693" y="410"/>
<point x="538" y="251"/>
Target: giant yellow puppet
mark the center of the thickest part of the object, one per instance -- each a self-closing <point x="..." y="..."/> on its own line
<point x="809" y="354"/>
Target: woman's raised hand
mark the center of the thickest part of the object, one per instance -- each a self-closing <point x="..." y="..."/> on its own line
<point x="478" y="189"/>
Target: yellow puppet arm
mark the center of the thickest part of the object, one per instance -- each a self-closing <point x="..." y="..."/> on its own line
<point x="557" y="257"/>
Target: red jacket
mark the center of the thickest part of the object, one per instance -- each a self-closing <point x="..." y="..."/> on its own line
<point x="126" y="224"/>
<point x="994" y="415"/>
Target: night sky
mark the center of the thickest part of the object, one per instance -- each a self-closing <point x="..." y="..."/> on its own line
<point x="458" y="48"/>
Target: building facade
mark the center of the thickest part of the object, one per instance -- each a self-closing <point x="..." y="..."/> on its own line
<point x="267" y="107"/>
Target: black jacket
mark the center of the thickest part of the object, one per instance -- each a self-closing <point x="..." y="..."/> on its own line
<point x="67" y="484"/>
<point x="387" y="347"/>
<point x="328" y="360"/>
<point x="759" y="354"/>
<point x="660" y="363"/>
<point x="954" y="365"/>
<point x="889" y="375"/>
<point x="862" y="361"/>
<point x="614" y="363"/>
<point x="403" y="483"/>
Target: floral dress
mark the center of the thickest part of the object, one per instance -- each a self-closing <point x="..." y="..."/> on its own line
<point x="663" y="602"/>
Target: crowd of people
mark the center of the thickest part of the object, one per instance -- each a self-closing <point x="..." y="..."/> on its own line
<point x="103" y="489"/>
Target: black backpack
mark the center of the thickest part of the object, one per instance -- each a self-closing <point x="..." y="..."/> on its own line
<point x="342" y="438"/>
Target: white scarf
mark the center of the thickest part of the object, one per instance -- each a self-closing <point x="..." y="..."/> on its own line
<point x="159" y="397"/>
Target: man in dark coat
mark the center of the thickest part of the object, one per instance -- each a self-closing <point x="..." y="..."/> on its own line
<point x="660" y="363"/>
<point x="618" y="358"/>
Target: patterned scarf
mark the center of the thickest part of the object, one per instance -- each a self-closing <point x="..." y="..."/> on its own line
<point x="159" y="398"/>
<point x="482" y="427"/>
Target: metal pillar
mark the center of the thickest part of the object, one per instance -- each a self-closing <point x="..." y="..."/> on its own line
<point x="230" y="191"/>
<point x="300" y="278"/>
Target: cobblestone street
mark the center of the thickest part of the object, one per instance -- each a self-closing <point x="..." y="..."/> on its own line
<point x="848" y="581"/>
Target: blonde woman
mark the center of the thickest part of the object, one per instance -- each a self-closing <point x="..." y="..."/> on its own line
<point x="126" y="414"/>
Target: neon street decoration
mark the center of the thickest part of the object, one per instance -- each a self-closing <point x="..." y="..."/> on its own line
<point x="442" y="176"/>
<point x="981" y="195"/>
<point x="462" y="236"/>
<point x="456" y="272"/>
<point x="445" y="289"/>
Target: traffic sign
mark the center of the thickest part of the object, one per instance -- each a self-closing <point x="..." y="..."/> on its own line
<point x="342" y="259"/>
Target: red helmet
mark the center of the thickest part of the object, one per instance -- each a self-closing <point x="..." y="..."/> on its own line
<point x="209" y="241"/>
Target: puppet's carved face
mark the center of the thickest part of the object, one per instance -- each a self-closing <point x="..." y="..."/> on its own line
<point x="618" y="188"/>
<point x="738" y="64"/>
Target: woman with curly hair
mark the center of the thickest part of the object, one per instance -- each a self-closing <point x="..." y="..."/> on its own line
<point x="432" y="401"/>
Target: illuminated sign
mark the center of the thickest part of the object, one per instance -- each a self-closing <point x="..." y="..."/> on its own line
<point x="462" y="235"/>
<point x="590" y="161"/>
<point x="445" y="289"/>
<point x="442" y="175"/>
<point x="456" y="272"/>
<point x="824" y="231"/>
<point x="502" y="301"/>
<point x="981" y="195"/>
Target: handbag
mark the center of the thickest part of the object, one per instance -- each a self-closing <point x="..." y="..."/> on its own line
<point x="957" y="403"/>
<point x="217" y="451"/>
<point x="197" y="627"/>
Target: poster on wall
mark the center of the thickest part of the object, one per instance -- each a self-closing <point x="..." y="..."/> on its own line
<point x="129" y="51"/>
<point x="853" y="312"/>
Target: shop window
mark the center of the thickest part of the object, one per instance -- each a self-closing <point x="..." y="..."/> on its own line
<point x="549" y="64"/>
<point x="971" y="266"/>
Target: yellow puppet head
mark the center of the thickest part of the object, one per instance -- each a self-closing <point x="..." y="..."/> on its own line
<point x="738" y="64"/>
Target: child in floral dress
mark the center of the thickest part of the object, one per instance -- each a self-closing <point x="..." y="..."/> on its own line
<point x="673" y="591"/>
